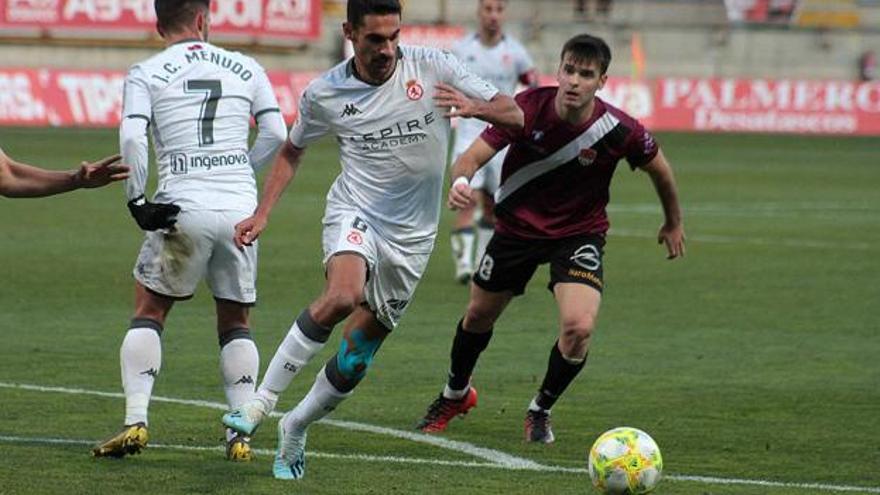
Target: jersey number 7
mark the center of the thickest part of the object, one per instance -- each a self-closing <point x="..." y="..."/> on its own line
<point x="212" y="90"/>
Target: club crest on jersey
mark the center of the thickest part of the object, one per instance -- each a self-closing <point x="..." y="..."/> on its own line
<point x="355" y="238"/>
<point x="587" y="156"/>
<point x="414" y="90"/>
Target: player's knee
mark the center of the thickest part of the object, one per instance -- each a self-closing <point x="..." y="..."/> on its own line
<point x="577" y="329"/>
<point x="340" y="303"/>
<point x="479" y="318"/>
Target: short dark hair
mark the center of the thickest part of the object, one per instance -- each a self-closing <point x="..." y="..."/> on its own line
<point x="587" y="48"/>
<point x="172" y="15"/>
<point x="357" y="9"/>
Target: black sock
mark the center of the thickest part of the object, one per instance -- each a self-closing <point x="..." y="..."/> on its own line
<point x="466" y="349"/>
<point x="559" y="374"/>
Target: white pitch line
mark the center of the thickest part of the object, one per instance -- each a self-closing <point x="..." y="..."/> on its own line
<point x="263" y="452"/>
<point x="751" y="209"/>
<point x="490" y="455"/>
<point x="722" y="239"/>
<point x="512" y="463"/>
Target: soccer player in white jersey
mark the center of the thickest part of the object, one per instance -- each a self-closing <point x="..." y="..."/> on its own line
<point x="198" y="99"/>
<point x="389" y="107"/>
<point x="500" y="59"/>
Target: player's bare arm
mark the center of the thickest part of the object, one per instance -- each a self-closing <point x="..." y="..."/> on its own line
<point x="672" y="231"/>
<point x="283" y="171"/>
<point x="500" y="111"/>
<point x="478" y="154"/>
<point x="19" y="180"/>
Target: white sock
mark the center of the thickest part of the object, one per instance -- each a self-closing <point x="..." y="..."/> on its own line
<point x="295" y="351"/>
<point x="462" y="242"/>
<point x="239" y="366"/>
<point x="140" y="358"/>
<point x="319" y="402"/>
<point x="484" y="235"/>
<point x="454" y="394"/>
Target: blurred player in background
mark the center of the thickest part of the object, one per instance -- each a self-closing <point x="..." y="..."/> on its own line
<point x="551" y="209"/>
<point x="199" y="100"/>
<point x="380" y="223"/>
<point x="500" y="59"/>
<point x="20" y="180"/>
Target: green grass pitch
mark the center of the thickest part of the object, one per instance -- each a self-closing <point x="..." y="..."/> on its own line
<point x="754" y="359"/>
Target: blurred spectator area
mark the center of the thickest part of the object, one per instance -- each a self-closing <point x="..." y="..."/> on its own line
<point x="814" y="39"/>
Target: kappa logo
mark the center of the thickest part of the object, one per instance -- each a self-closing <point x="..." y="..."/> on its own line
<point x="246" y="379"/>
<point x="150" y="372"/>
<point x="587" y="156"/>
<point x="350" y="110"/>
<point x="414" y="90"/>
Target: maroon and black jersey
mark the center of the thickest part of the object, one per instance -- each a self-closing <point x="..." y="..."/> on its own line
<point x="556" y="176"/>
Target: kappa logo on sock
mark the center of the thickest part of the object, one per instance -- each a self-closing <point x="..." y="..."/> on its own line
<point x="151" y="372"/>
<point x="290" y="367"/>
<point x="245" y="380"/>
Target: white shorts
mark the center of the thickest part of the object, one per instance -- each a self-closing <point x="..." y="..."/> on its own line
<point x="393" y="272"/>
<point x="199" y="246"/>
<point x="488" y="178"/>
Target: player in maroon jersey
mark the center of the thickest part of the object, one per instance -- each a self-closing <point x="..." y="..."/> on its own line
<point x="551" y="209"/>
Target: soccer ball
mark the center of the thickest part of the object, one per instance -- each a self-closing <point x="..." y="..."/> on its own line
<point x="625" y="461"/>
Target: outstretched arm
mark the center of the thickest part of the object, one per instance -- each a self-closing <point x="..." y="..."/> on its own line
<point x="19" y="180"/>
<point x="672" y="231"/>
<point x="283" y="171"/>
<point x="500" y="111"/>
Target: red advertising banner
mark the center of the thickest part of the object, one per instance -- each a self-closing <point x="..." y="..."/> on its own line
<point x="286" y="19"/>
<point x="34" y="97"/>
<point x="759" y="105"/>
<point x="31" y="97"/>
<point x="431" y="35"/>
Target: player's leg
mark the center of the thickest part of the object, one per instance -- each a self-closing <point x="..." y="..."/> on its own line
<point x="347" y="270"/>
<point x="463" y="236"/>
<point x="490" y="179"/>
<point x="576" y="282"/>
<point x="140" y="359"/>
<point x="486" y="223"/>
<point x="504" y="271"/>
<point x="462" y="240"/>
<point x="239" y="366"/>
<point x="335" y="382"/>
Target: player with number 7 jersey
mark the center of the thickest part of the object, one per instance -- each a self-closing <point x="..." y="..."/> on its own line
<point x="198" y="100"/>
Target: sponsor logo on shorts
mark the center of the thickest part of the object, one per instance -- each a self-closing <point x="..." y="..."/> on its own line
<point x="182" y="164"/>
<point x="585" y="275"/>
<point x="393" y="308"/>
<point x="587" y="257"/>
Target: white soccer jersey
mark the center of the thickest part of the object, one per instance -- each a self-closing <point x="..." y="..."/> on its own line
<point x="392" y="139"/>
<point x="501" y="65"/>
<point x="199" y="99"/>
